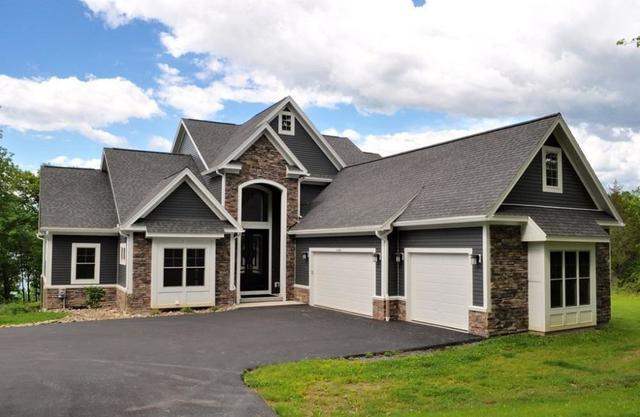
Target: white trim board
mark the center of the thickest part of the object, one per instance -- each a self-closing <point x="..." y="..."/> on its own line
<point x="276" y="141"/>
<point x="185" y="176"/>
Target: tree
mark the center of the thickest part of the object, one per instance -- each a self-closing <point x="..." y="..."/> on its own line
<point x="20" y="249"/>
<point x="633" y="41"/>
<point x="625" y="241"/>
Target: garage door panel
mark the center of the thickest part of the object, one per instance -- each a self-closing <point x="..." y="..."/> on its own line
<point x="440" y="288"/>
<point x="344" y="281"/>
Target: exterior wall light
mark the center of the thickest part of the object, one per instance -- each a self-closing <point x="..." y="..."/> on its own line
<point x="399" y="257"/>
<point x="305" y="256"/>
<point x="476" y="259"/>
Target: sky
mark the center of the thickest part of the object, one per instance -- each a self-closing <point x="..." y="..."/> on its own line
<point x="78" y="76"/>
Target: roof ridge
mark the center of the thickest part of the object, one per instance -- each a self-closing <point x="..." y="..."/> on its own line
<point x="45" y="165"/>
<point x="210" y="121"/>
<point x="145" y="151"/>
<point x="537" y="119"/>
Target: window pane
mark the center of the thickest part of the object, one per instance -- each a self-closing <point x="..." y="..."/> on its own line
<point x="551" y="162"/>
<point x="286" y="122"/>
<point x="585" y="271"/>
<point x="255" y="205"/>
<point x="172" y="277"/>
<point x="173" y="257"/>
<point x="195" y="276"/>
<point x="86" y="255"/>
<point x="570" y="292"/>
<point x="570" y="265"/>
<point x="85" y="271"/>
<point x="556" y="293"/>
<point x="585" y="291"/>
<point x="556" y="264"/>
<point x="195" y="257"/>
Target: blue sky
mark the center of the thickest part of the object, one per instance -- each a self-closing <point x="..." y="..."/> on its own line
<point x="77" y="76"/>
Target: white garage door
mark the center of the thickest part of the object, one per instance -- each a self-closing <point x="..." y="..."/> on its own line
<point x="343" y="279"/>
<point x="439" y="287"/>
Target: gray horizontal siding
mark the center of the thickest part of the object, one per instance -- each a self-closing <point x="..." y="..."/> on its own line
<point x="308" y="193"/>
<point x="182" y="203"/>
<point x="303" y="245"/>
<point x="122" y="269"/>
<point x="307" y="151"/>
<point x="187" y="147"/>
<point x="213" y="183"/>
<point x="528" y="189"/>
<point x="469" y="237"/>
<point x="61" y="258"/>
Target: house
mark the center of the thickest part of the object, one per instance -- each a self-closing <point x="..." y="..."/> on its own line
<point x="498" y="232"/>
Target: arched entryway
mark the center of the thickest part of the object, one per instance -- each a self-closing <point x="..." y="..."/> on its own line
<point x="261" y="260"/>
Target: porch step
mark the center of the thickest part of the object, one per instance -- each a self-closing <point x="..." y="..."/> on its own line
<point x="266" y="298"/>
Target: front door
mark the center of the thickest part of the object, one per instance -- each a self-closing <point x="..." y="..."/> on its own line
<point x="254" y="262"/>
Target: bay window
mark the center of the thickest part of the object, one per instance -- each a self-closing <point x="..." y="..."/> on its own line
<point x="184" y="267"/>
<point x="570" y="276"/>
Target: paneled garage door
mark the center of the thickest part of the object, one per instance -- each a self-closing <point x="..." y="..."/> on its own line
<point x="439" y="286"/>
<point x="343" y="279"/>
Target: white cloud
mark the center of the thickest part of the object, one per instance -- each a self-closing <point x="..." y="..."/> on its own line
<point x="71" y="104"/>
<point x="159" y="143"/>
<point x="65" y="161"/>
<point x="478" y="59"/>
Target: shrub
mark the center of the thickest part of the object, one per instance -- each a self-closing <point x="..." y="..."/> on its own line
<point x="186" y="310"/>
<point x="94" y="296"/>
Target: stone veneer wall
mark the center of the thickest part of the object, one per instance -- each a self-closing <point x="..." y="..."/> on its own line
<point x="77" y="298"/>
<point x="301" y="294"/>
<point x="603" y="283"/>
<point x="140" y="298"/>
<point x="393" y="309"/>
<point x="263" y="161"/>
<point x="509" y="286"/>
<point x="224" y="295"/>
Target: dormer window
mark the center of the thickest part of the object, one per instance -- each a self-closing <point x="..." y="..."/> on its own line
<point x="286" y="123"/>
<point x="551" y="169"/>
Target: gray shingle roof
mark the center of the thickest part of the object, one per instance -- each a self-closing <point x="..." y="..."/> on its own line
<point x="187" y="226"/>
<point x="137" y="176"/>
<point x="210" y="137"/>
<point x="462" y="177"/>
<point x="348" y="151"/>
<point x="216" y="141"/>
<point x="562" y="222"/>
<point x="74" y="197"/>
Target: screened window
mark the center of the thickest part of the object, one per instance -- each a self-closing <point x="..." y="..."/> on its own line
<point x="570" y="275"/>
<point x="286" y="123"/>
<point x="551" y="169"/>
<point x="184" y="267"/>
<point x="85" y="263"/>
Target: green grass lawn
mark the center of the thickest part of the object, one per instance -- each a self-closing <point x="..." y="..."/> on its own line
<point x="587" y="373"/>
<point x="21" y="313"/>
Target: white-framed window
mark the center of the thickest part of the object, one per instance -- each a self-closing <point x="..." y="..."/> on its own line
<point x="85" y="263"/>
<point x="123" y="253"/>
<point x="183" y="267"/>
<point x="286" y="123"/>
<point x="551" y="169"/>
<point x="570" y="275"/>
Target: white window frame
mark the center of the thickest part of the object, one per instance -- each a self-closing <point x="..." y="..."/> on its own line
<point x="184" y="267"/>
<point x="96" y="268"/>
<point x="547" y="188"/>
<point x="123" y="253"/>
<point x="293" y="123"/>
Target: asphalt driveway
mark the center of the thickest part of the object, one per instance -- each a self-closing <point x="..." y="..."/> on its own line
<point x="183" y="365"/>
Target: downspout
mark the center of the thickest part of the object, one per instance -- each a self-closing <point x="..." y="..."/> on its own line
<point x="383" y="235"/>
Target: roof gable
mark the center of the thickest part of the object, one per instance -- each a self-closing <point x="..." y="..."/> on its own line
<point x="528" y="190"/>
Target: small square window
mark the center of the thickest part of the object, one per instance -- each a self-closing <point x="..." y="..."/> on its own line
<point x="286" y="123"/>
<point x="85" y="263"/>
<point x="551" y="169"/>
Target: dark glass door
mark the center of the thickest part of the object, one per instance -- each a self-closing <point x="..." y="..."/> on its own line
<point x="254" y="264"/>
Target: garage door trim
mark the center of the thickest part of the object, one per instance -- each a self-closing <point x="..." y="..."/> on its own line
<point x="312" y="278"/>
<point x="407" y="273"/>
